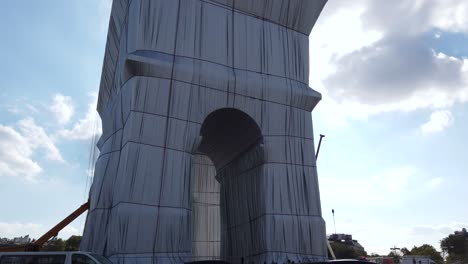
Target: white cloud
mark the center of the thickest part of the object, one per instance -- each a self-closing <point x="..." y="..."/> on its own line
<point x="87" y="127"/>
<point x="37" y="137"/>
<point x="365" y="62"/>
<point x="438" y="121"/>
<point x="11" y="230"/>
<point x="69" y="231"/>
<point x="416" y="16"/>
<point x="17" y="149"/>
<point x="396" y="72"/>
<point x="450" y="15"/>
<point x="338" y="31"/>
<point x="15" y="155"/>
<point x="335" y="35"/>
<point x="62" y="107"/>
<point x="434" y="183"/>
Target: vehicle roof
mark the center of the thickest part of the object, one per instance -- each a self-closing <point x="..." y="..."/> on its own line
<point x="353" y="260"/>
<point x="342" y="261"/>
<point x="207" y="262"/>
<point x="42" y="252"/>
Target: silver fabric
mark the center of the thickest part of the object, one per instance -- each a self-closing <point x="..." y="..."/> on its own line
<point x="207" y="149"/>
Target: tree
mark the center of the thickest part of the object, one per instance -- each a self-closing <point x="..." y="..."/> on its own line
<point x="395" y="256"/>
<point x="405" y="251"/>
<point x="427" y="250"/>
<point x="343" y="251"/>
<point x="456" y="245"/>
<point x="73" y="243"/>
<point x="56" y="244"/>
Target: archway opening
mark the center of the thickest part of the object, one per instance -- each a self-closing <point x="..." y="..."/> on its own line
<point x="229" y="137"/>
<point x="227" y="134"/>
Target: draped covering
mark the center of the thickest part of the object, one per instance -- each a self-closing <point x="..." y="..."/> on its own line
<point x="207" y="149"/>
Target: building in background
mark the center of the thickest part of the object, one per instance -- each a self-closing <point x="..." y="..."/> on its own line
<point x="381" y="260"/>
<point x="6" y="242"/>
<point x="21" y="240"/>
<point x="412" y="259"/>
<point x="463" y="232"/>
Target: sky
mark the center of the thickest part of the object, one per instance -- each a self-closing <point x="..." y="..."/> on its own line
<point x="394" y="82"/>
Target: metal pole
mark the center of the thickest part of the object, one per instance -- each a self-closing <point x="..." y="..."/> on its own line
<point x="334" y="224"/>
<point x="318" y="148"/>
<point x="395" y="255"/>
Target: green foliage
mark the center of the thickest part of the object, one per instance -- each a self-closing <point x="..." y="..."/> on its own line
<point x="405" y="251"/>
<point x="395" y="256"/>
<point x="456" y="246"/>
<point x="427" y="250"/>
<point x="343" y="251"/>
<point x="73" y="243"/>
<point x="56" y="244"/>
<point x="424" y="250"/>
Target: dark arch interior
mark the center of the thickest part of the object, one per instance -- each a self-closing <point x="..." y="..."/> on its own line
<point x="226" y="134"/>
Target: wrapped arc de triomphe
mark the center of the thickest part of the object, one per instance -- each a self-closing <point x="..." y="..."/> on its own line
<point x="207" y="149"/>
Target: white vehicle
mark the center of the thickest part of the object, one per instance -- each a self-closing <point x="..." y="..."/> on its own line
<point x="62" y="257"/>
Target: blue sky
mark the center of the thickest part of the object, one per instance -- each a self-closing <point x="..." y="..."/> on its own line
<point x="394" y="112"/>
<point x="53" y="57"/>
